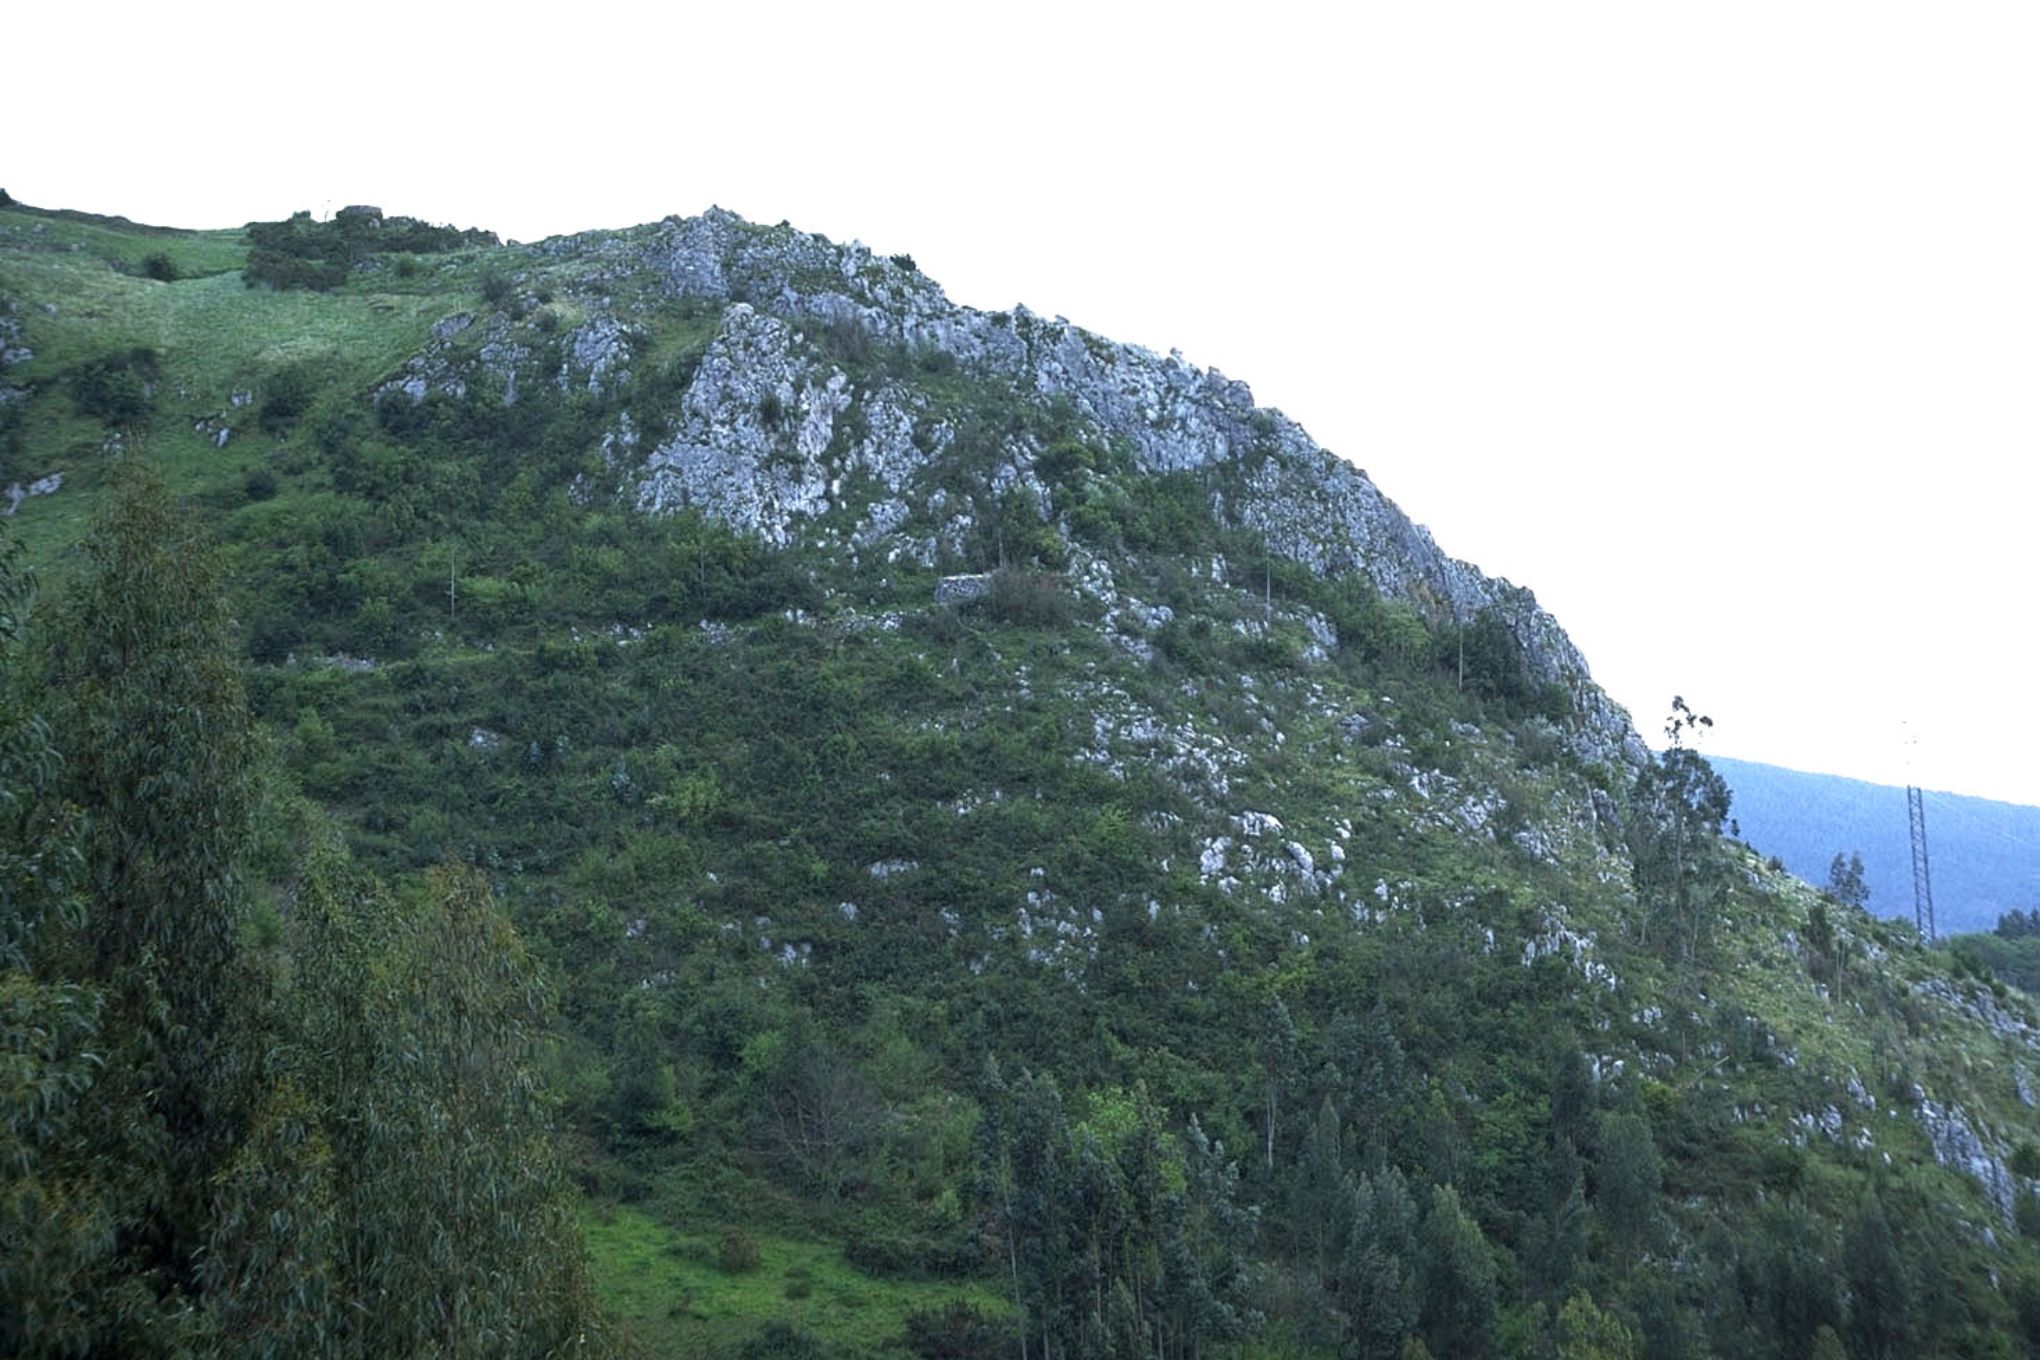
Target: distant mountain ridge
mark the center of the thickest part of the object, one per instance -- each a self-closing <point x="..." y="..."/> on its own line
<point x="1984" y="855"/>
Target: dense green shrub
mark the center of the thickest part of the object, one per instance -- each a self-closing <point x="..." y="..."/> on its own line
<point x="1034" y="599"/>
<point x="735" y="1252"/>
<point x="118" y="388"/>
<point x="778" y="1340"/>
<point x="287" y="395"/>
<point x="959" y="1332"/>
<point x="301" y="253"/>
<point x="897" y="1255"/>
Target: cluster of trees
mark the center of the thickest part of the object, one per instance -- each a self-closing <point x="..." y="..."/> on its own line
<point x="230" y="1126"/>
<point x="1120" y="1239"/>
<point x="2010" y="952"/>
<point x="299" y="252"/>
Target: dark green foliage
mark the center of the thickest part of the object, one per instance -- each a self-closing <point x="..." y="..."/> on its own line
<point x="1105" y="1258"/>
<point x="2010" y="952"/>
<point x="160" y="267"/>
<point x="323" y="1138"/>
<point x="1456" y="1282"/>
<point x="497" y="287"/>
<point x="259" y="485"/>
<point x="2018" y="925"/>
<point x="160" y="756"/>
<point x="1676" y="810"/>
<point x="301" y="253"/>
<point x="958" y="1332"/>
<point x="1845" y="881"/>
<point x="53" y="1229"/>
<point x="1030" y="599"/>
<point x="1794" y="1284"/>
<point x="735" y="1252"/>
<point x="286" y="395"/>
<point x="1879" y="1284"/>
<point x="1375" y="1291"/>
<point x="1486" y="658"/>
<point x="118" y="388"/>
<point x="1627" y="1181"/>
<point x="784" y="1341"/>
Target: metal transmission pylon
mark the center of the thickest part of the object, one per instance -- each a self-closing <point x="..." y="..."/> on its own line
<point x="1923" y="879"/>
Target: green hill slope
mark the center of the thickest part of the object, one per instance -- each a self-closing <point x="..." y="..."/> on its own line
<point x="1011" y="824"/>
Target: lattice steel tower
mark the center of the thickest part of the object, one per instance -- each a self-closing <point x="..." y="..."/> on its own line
<point x="1923" y="879"/>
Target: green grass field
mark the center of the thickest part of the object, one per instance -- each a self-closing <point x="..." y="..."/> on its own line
<point x="215" y="336"/>
<point x="667" y="1287"/>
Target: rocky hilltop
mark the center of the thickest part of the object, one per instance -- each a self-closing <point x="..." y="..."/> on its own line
<point x="774" y="437"/>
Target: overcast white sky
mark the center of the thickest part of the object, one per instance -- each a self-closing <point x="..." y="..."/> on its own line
<point x="1716" y="325"/>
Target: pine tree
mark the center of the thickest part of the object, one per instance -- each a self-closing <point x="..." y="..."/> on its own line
<point x="1587" y="1333"/>
<point x="1376" y="1289"/>
<point x="1456" y="1280"/>
<point x="1316" y="1190"/>
<point x="1627" y="1181"/>
<point x="1880" y="1287"/>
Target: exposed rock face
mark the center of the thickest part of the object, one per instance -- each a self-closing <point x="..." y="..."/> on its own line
<point x="596" y="348"/>
<point x="755" y="431"/>
<point x="1958" y="1145"/>
<point x="41" y="486"/>
<point x="13" y="350"/>
<point x="1312" y="507"/>
<point x="962" y="589"/>
<point x="763" y="444"/>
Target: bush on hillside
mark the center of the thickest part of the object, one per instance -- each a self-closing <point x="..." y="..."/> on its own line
<point x="118" y="388"/>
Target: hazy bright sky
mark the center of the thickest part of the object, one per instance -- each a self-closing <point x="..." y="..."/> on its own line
<point x="1716" y="325"/>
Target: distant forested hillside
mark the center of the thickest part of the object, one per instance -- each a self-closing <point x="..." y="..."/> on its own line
<point x="1985" y="856"/>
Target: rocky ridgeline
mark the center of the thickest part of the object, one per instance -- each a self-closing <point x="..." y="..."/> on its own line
<point x="763" y="440"/>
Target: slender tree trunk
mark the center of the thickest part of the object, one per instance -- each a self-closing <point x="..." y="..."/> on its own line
<point x="1013" y="1260"/>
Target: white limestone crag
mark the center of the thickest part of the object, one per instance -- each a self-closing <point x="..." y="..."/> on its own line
<point x="1312" y="507"/>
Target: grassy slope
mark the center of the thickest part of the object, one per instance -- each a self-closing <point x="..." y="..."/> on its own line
<point x="669" y="1287"/>
<point x="216" y="335"/>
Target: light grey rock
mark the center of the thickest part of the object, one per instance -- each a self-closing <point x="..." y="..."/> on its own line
<point x="1957" y="1144"/>
<point x="890" y="868"/>
<point x="1257" y="824"/>
<point x="1605" y="812"/>
<point x="756" y="424"/>
<point x="1311" y="506"/>
<point x="962" y="589"/>
<point x="599" y="348"/>
<point x="765" y="477"/>
<point x="42" y="486"/>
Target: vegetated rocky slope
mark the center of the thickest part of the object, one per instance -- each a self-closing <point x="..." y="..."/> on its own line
<point x="846" y="686"/>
